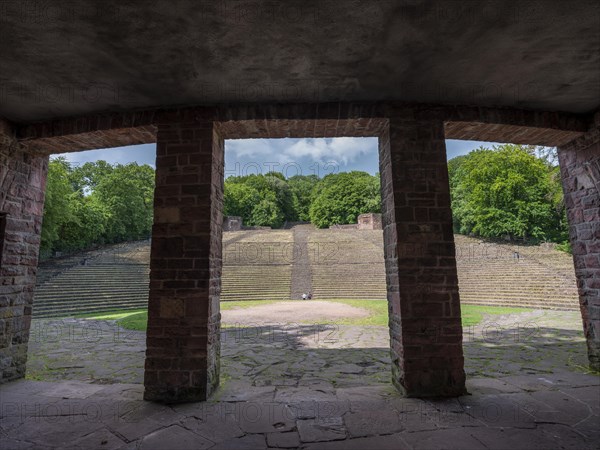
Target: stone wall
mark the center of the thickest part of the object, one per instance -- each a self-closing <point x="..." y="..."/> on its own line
<point x="348" y="226"/>
<point x="232" y="223"/>
<point x="22" y="184"/>
<point x="369" y="221"/>
<point x="580" y="172"/>
<point x="289" y="120"/>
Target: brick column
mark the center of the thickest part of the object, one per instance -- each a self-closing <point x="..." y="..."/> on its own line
<point x="580" y="173"/>
<point x="183" y="347"/>
<point x="22" y="185"/>
<point x="422" y="283"/>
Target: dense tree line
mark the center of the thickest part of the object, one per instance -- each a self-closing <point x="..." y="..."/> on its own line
<point x="95" y="204"/>
<point x="509" y="190"/>
<point x="272" y="200"/>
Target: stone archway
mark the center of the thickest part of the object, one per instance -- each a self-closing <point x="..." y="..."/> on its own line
<point x="184" y="321"/>
<point x="183" y="347"/>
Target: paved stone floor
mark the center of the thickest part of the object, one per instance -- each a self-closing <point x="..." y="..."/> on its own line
<point x="307" y="386"/>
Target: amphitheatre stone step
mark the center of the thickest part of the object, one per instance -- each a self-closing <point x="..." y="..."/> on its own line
<point x="258" y="265"/>
<point x="89" y="298"/>
<point x="76" y="308"/>
<point x="95" y="309"/>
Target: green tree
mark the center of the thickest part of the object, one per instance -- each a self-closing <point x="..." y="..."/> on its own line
<point x="87" y="225"/>
<point x="240" y="200"/>
<point x="85" y="178"/>
<point x="454" y="176"/>
<point x="502" y="191"/>
<point x="272" y="187"/>
<point x="96" y="203"/>
<point x="127" y="193"/>
<point x="302" y="190"/>
<point x="267" y="213"/>
<point x="340" y="198"/>
<point x="58" y="202"/>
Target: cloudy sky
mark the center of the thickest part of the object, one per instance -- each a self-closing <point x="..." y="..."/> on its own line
<point x="289" y="156"/>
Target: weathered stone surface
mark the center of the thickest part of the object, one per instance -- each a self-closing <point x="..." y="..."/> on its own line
<point x="369" y="221"/>
<point x="73" y="389"/>
<point x="283" y="440"/>
<point x="522" y="403"/>
<point x="216" y="423"/>
<point x="183" y="339"/>
<point x="424" y="306"/>
<point x="448" y="439"/>
<point x="22" y="184"/>
<point x="101" y="439"/>
<point x="372" y="422"/>
<point x="389" y="442"/>
<point x="174" y="437"/>
<point x="580" y="174"/>
<point x="308" y="120"/>
<point x="247" y="442"/>
<point x="321" y="429"/>
<point x="265" y="417"/>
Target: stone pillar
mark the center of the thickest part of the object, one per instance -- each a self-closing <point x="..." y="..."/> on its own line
<point x="183" y="347"/>
<point x="22" y="185"/>
<point x="580" y="173"/>
<point x="422" y="283"/>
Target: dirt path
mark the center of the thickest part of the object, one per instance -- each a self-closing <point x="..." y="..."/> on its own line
<point x="292" y="311"/>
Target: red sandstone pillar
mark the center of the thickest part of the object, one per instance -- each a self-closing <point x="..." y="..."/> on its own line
<point x="422" y="283"/>
<point x="580" y="173"/>
<point x="183" y="347"/>
<point x="22" y="190"/>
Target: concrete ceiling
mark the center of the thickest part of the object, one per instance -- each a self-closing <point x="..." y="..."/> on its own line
<point x="90" y="56"/>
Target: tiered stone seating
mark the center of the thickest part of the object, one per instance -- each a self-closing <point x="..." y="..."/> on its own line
<point x="492" y="274"/>
<point x="344" y="263"/>
<point x="114" y="278"/>
<point x="257" y="265"/>
<point x="347" y="264"/>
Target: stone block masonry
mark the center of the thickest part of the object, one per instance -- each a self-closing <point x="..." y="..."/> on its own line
<point x="422" y="287"/>
<point x="22" y="184"/>
<point x="370" y="221"/>
<point x="182" y="360"/>
<point x="580" y="173"/>
<point x="183" y="348"/>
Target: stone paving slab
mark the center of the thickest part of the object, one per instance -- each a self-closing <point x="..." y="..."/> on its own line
<point x="288" y="387"/>
<point x="378" y="419"/>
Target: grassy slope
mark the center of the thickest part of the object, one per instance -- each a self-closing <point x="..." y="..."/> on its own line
<point x="471" y="314"/>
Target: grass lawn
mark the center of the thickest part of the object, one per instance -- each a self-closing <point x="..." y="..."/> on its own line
<point x="471" y="314"/>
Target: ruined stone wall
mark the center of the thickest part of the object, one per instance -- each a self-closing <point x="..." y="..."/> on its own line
<point x="580" y="172"/>
<point x="232" y="223"/>
<point x="369" y="221"/>
<point x="22" y="184"/>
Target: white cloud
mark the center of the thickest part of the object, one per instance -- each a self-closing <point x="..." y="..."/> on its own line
<point x="342" y="150"/>
<point x="251" y="148"/>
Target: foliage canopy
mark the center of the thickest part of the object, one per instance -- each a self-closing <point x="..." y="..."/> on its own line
<point x="96" y="203"/>
<point x="509" y="190"/>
